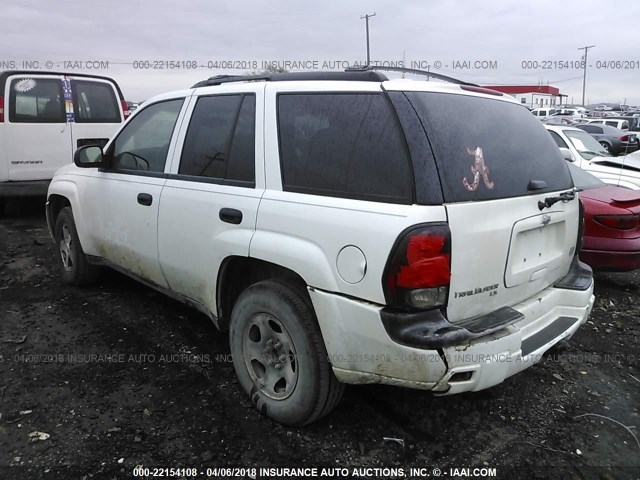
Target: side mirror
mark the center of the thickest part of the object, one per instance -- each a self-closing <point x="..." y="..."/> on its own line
<point x="88" y="156"/>
<point x="567" y="155"/>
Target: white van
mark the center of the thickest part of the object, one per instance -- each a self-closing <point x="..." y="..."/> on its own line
<point x="44" y="117"/>
<point x="543" y="112"/>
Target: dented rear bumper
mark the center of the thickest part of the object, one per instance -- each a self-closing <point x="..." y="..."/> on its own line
<point x="426" y="351"/>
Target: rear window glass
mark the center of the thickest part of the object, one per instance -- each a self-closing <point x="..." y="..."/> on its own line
<point x="488" y="149"/>
<point x="95" y="102"/>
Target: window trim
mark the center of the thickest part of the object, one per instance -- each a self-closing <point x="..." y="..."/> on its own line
<point x="367" y="197"/>
<point x="13" y="101"/>
<point x="228" y="145"/>
<point x="108" y="155"/>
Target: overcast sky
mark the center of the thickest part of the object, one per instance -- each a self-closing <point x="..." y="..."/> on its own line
<point x="504" y="32"/>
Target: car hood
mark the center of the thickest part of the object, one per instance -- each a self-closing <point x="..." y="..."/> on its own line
<point x="630" y="161"/>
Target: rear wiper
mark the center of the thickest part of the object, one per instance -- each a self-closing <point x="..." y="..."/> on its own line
<point x="563" y="197"/>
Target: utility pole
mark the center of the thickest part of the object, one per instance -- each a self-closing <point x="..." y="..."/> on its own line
<point x="366" y="17"/>
<point x="584" y="74"/>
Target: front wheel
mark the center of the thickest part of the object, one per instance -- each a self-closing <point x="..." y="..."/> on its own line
<point x="279" y="355"/>
<point x="74" y="267"/>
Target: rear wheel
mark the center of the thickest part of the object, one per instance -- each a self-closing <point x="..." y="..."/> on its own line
<point x="606" y="146"/>
<point x="279" y="355"/>
<point x="74" y="267"/>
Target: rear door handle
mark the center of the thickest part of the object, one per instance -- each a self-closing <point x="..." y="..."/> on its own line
<point x="231" y="215"/>
<point x="145" y="199"/>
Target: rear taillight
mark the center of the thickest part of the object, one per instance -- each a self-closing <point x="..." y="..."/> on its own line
<point x="418" y="271"/>
<point x="624" y="138"/>
<point x="618" y="222"/>
<point x="125" y="109"/>
<point x="1" y="109"/>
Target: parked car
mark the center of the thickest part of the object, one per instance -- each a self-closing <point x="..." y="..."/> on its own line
<point x="614" y="140"/>
<point x="586" y="152"/>
<point x="632" y="120"/>
<point x="131" y="106"/>
<point x="611" y="236"/>
<point x="335" y="223"/>
<point x="618" y="123"/>
<point x="44" y="117"/>
<point x="543" y="112"/>
<point x="560" y="120"/>
<point x="578" y="112"/>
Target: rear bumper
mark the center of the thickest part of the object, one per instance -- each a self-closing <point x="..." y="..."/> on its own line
<point x="611" y="260"/>
<point x="361" y="350"/>
<point x="27" y="188"/>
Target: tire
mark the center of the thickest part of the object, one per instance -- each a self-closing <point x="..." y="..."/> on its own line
<point x="74" y="267"/>
<point x="607" y="147"/>
<point x="279" y="354"/>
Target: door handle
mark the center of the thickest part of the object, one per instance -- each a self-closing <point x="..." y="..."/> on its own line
<point x="231" y="215"/>
<point x="145" y="199"/>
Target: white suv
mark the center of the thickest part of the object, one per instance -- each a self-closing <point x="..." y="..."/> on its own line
<point x="343" y="227"/>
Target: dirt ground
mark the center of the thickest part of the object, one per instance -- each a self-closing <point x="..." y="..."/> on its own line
<point x="160" y="391"/>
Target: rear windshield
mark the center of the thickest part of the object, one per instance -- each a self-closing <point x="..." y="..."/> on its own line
<point x="488" y="149"/>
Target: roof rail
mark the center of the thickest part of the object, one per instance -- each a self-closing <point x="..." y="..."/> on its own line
<point x="347" y="75"/>
<point x="439" y="76"/>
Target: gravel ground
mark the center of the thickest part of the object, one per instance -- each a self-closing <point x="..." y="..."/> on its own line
<point x="117" y="375"/>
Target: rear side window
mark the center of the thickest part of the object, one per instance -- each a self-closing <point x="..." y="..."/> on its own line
<point x="95" y="102"/>
<point x="488" y="149"/>
<point x="36" y="100"/>
<point x="591" y="128"/>
<point x="343" y="145"/>
<point x="220" y="141"/>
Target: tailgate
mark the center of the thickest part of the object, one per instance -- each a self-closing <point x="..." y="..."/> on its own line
<point x="505" y="251"/>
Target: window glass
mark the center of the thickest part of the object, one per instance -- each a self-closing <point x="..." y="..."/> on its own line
<point x="144" y="143"/>
<point x="343" y="145"/>
<point x="587" y="146"/>
<point x="95" y="102"/>
<point x="559" y="141"/>
<point x="583" y="179"/>
<point x="590" y="128"/>
<point x="36" y="100"/>
<point x="242" y="157"/>
<point x="220" y="141"/>
<point x="497" y="158"/>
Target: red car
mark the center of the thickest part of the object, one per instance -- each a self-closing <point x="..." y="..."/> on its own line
<point x="611" y="237"/>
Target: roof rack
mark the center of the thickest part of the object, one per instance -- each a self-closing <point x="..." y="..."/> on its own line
<point x="439" y="76"/>
<point x="347" y="75"/>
